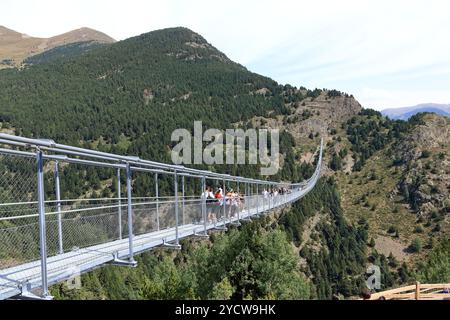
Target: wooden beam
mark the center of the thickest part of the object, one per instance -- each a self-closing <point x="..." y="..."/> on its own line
<point x="436" y="286"/>
<point x="378" y="295"/>
<point x="408" y="296"/>
<point x="417" y="290"/>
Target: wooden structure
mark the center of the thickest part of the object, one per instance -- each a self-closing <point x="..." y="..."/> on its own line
<point x="417" y="291"/>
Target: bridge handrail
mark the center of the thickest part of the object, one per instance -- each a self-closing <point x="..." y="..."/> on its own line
<point x="51" y="146"/>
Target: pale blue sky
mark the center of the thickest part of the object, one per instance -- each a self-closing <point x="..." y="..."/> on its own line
<point x="386" y="53"/>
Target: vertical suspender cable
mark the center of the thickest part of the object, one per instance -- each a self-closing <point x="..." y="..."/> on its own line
<point x="58" y="208"/>
<point x="42" y="229"/>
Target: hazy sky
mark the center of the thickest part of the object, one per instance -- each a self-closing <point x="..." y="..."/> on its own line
<point x="387" y="53"/>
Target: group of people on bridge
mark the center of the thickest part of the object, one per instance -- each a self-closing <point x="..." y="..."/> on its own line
<point x="234" y="201"/>
<point x="275" y="192"/>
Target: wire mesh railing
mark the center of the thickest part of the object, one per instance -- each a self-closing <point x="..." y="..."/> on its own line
<point x="19" y="227"/>
<point x="63" y="207"/>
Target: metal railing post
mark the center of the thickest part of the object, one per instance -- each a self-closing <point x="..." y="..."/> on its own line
<point x="216" y="213"/>
<point x="273" y="197"/>
<point x="157" y="201"/>
<point x="257" y="198"/>
<point x="252" y="195"/>
<point x="130" y="213"/>
<point x="119" y="195"/>
<point x="224" y="201"/>
<point x="183" y="200"/>
<point x="265" y="198"/>
<point x="177" y="239"/>
<point x="247" y="199"/>
<point x="238" y="201"/>
<point x="58" y="208"/>
<point x="204" y="204"/>
<point x="42" y="225"/>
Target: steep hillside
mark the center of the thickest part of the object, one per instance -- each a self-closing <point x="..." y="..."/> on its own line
<point x="424" y="159"/>
<point x="392" y="175"/>
<point x="16" y="47"/>
<point x="405" y="178"/>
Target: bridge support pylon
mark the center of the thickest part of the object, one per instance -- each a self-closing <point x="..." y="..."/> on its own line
<point x="220" y="229"/>
<point x="202" y="235"/>
<point x="123" y="263"/>
<point x="26" y="294"/>
<point x="170" y="245"/>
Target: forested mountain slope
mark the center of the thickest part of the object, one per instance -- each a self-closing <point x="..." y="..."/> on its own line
<point x="129" y="96"/>
<point x="142" y="88"/>
<point x="64" y="52"/>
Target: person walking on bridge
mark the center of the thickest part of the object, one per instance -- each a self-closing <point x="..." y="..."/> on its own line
<point x="220" y="202"/>
<point x="210" y="203"/>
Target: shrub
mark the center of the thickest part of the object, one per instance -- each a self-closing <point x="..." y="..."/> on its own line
<point x="426" y="154"/>
<point x="416" y="245"/>
<point x="392" y="230"/>
<point x="437" y="228"/>
<point x="418" y="229"/>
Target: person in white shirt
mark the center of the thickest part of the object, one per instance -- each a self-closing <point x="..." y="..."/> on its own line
<point x="210" y="199"/>
<point x="265" y="194"/>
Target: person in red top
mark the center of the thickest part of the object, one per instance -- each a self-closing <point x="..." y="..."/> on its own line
<point x="219" y="198"/>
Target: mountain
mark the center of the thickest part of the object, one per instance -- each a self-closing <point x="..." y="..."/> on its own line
<point x="140" y="88"/>
<point x="408" y="112"/>
<point x="385" y="181"/>
<point x="15" y="46"/>
<point x="64" y="52"/>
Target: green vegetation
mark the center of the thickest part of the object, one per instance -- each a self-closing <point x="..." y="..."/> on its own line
<point x="436" y="268"/>
<point x="370" y="132"/>
<point x="140" y="90"/>
<point x="64" y="52"/>
<point x="416" y="245"/>
<point x="336" y="162"/>
<point x="337" y="267"/>
<point x="100" y="94"/>
<point x="255" y="262"/>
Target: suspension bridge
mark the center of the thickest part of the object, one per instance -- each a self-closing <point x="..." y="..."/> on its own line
<point x="55" y="225"/>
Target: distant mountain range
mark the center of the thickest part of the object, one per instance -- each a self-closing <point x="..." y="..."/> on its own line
<point x="408" y="112"/>
<point x="16" y="47"/>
